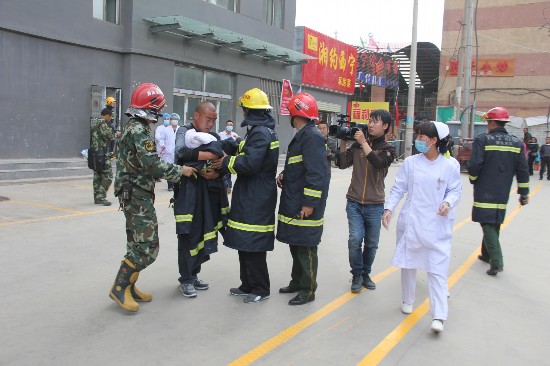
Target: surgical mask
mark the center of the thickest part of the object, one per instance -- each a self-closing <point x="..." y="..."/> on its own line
<point x="174" y="122"/>
<point x="166" y="122"/>
<point x="421" y="146"/>
<point x="229" y="128"/>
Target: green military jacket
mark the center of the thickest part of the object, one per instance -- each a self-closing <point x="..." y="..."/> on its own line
<point x="138" y="160"/>
<point x="102" y="135"/>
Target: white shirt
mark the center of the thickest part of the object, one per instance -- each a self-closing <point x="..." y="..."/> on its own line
<point x="224" y="135"/>
<point x="423" y="236"/>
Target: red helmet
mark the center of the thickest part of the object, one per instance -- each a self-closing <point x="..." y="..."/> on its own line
<point x="497" y="114"/>
<point x="303" y="105"/>
<point x="148" y="96"/>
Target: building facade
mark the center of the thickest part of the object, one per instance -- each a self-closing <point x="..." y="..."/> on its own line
<point x="513" y="61"/>
<point x="60" y="62"/>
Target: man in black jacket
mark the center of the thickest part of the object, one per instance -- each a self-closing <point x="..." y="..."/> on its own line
<point x="304" y="184"/>
<point x="496" y="158"/>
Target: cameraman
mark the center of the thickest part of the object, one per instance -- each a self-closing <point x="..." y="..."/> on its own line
<point x="371" y="158"/>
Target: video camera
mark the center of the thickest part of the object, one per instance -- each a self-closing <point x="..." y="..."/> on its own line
<point x="345" y="130"/>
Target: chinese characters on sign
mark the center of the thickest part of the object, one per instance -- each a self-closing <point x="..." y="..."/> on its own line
<point x="286" y="95"/>
<point x="377" y="69"/>
<point x="487" y="67"/>
<point x="360" y="111"/>
<point x="335" y="67"/>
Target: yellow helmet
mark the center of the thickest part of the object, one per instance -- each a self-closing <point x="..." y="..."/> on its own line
<point x="110" y="100"/>
<point x="255" y="99"/>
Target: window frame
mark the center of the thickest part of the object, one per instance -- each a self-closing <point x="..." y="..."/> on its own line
<point x="104" y="14"/>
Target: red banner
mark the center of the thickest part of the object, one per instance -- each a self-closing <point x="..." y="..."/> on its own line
<point x="286" y="95"/>
<point x="336" y="64"/>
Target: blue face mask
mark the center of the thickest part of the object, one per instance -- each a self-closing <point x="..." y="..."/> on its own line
<point x="166" y="122"/>
<point x="229" y="128"/>
<point x="421" y="146"/>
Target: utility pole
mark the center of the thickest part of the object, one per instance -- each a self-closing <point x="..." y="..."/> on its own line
<point x="460" y="77"/>
<point x="468" y="28"/>
<point x="412" y="85"/>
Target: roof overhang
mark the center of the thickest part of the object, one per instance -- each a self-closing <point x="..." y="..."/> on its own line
<point x="194" y="30"/>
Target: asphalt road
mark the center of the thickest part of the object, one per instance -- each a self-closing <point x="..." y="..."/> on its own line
<point x="60" y="254"/>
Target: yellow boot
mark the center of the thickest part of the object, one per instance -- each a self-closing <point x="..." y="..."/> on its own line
<point x="121" y="290"/>
<point x="137" y="294"/>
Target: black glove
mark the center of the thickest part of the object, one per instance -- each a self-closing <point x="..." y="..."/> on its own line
<point x="523" y="199"/>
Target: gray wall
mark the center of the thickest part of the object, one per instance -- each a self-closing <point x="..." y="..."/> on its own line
<point x="50" y="58"/>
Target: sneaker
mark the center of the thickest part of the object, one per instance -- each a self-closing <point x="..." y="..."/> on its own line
<point x="356" y="283"/>
<point x="235" y="291"/>
<point x="368" y="283"/>
<point x="102" y="202"/>
<point x="200" y="284"/>
<point x="406" y="308"/>
<point x="188" y="290"/>
<point x="493" y="271"/>
<point x="251" y="298"/>
<point x="437" y="326"/>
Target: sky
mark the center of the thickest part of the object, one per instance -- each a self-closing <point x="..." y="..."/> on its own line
<point x="389" y="21"/>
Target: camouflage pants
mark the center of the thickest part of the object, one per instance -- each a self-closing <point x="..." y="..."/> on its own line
<point x="141" y="230"/>
<point x="102" y="181"/>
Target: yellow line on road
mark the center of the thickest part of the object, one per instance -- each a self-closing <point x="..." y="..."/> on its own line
<point x="76" y="214"/>
<point x="45" y="206"/>
<point x="293" y="330"/>
<point x="398" y="333"/>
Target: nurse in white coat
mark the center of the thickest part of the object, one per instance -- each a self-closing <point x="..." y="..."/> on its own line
<point x="432" y="184"/>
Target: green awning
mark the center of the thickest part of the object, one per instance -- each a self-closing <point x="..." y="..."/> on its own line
<point x="195" y="30"/>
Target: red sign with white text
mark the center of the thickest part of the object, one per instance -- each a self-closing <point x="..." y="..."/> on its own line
<point x="286" y="96"/>
<point x="336" y="64"/>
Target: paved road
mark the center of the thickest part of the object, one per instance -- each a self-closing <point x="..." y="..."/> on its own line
<point x="60" y="254"/>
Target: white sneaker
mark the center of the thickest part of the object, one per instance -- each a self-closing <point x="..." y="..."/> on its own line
<point x="437" y="326"/>
<point x="406" y="308"/>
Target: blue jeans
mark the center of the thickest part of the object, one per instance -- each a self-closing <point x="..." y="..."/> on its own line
<point x="364" y="225"/>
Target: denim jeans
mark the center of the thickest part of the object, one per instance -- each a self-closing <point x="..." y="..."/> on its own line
<point x="364" y="223"/>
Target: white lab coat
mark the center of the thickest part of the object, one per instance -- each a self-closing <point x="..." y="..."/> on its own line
<point x="165" y="137"/>
<point x="423" y="236"/>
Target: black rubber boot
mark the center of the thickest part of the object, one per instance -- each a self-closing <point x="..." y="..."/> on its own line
<point x="120" y="292"/>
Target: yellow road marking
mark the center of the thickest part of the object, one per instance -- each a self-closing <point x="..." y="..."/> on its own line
<point x="45" y="206"/>
<point x="398" y="333"/>
<point x="293" y="330"/>
<point x="78" y="213"/>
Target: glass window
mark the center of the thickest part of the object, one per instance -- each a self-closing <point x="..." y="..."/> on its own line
<point x="188" y="78"/>
<point x="224" y="114"/>
<point x="217" y="83"/>
<point x="108" y="10"/>
<point x="227" y="4"/>
<point x="274" y="12"/>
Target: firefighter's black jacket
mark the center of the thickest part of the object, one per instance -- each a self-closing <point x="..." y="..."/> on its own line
<point x="305" y="183"/>
<point x="496" y="158"/>
<point x="251" y="220"/>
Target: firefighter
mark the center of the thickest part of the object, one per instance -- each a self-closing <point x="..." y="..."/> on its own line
<point x="496" y="158"/>
<point x="138" y="167"/>
<point x="251" y="221"/>
<point x="304" y="182"/>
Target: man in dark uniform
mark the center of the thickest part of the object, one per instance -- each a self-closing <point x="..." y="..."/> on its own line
<point x="496" y="158"/>
<point x="304" y="184"/>
<point x="251" y="221"/>
<point x="138" y="168"/>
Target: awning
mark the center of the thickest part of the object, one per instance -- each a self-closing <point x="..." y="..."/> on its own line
<point x="195" y="30"/>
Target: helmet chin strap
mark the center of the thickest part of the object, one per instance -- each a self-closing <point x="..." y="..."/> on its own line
<point x="292" y="121"/>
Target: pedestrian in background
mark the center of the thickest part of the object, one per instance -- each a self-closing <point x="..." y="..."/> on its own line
<point x="169" y="139"/>
<point x="304" y="182"/>
<point x="496" y="158"/>
<point x="102" y="135"/>
<point x="526" y="135"/>
<point x="545" y="159"/>
<point x="371" y="159"/>
<point x="533" y="148"/>
<point x="330" y="144"/>
<point x="138" y="166"/>
<point x="226" y="134"/>
<point x="251" y="222"/>
<point x="433" y="187"/>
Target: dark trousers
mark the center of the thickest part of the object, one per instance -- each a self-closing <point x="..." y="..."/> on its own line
<point x="304" y="270"/>
<point x="531" y="162"/>
<point x="491" y="243"/>
<point x="189" y="265"/>
<point x="227" y="181"/>
<point x="254" y="273"/>
<point x="545" y="165"/>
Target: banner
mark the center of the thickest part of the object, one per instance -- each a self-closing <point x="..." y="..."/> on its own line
<point x="335" y="66"/>
<point x="286" y="95"/>
<point x="377" y="69"/>
<point x="360" y="111"/>
<point x="490" y="67"/>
